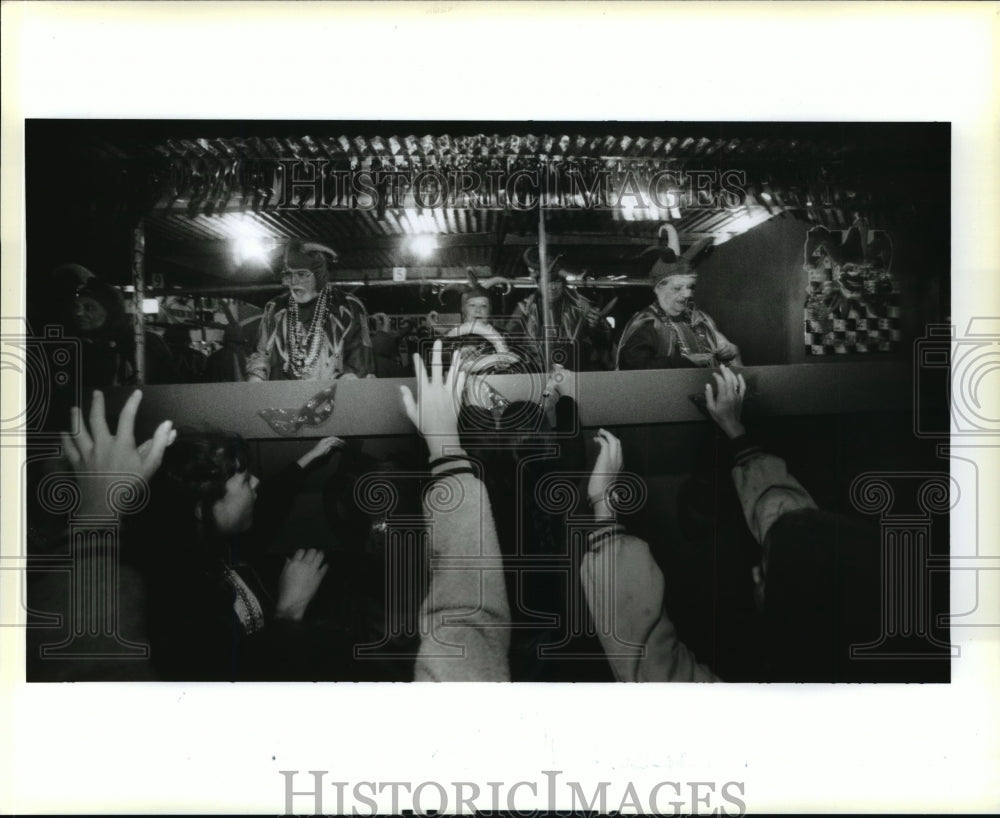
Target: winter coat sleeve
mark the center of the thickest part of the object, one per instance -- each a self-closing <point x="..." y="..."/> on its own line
<point x="624" y="588"/>
<point x="765" y="488"/>
<point x="465" y="620"/>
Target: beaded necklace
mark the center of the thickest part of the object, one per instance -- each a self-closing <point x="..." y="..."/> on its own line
<point x="245" y="603"/>
<point x="674" y="323"/>
<point x="303" y="349"/>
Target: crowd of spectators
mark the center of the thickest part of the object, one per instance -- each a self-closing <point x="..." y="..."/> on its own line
<point x="480" y="568"/>
<point x="498" y="579"/>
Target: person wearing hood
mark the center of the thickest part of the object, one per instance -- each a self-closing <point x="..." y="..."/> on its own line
<point x="314" y="332"/>
<point x="672" y="332"/>
<point x="97" y="318"/>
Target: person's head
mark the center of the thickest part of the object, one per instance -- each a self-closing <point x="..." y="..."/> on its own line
<point x="96" y="306"/>
<point x="557" y="272"/>
<point x="820" y="593"/>
<point x="89" y="314"/>
<point x="672" y="275"/>
<point x="504" y="436"/>
<point x="210" y="477"/>
<point x="354" y="499"/>
<point x="305" y="269"/>
<point x="475" y="305"/>
<point x="69" y="277"/>
<point x="673" y="293"/>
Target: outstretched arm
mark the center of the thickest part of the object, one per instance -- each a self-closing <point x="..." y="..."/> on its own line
<point x="765" y="488"/>
<point x="624" y="588"/>
<point x="277" y="492"/>
<point x="464" y="618"/>
<point x="95" y="455"/>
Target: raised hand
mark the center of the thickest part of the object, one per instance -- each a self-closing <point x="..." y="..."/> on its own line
<point x="321" y="449"/>
<point x="607" y="467"/>
<point x="298" y="583"/>
<point x="561" y="382"/>
<point x="435" y="410"/>
<point x="96" y="451"/>
<point x="726" y="405"/>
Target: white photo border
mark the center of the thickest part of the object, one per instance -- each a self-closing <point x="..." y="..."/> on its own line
<point x="214" y="748"/>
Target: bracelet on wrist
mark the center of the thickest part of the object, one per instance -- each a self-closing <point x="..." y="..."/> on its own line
<point x="446" y="458"/>
<point x="454" y="471"/>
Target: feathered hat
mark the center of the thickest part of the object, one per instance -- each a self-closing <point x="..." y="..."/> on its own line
<point x="472" y="287"/>
<point x="533" y="262"/>
<point x="668" y="259"/>
<point x="309" y="255"/>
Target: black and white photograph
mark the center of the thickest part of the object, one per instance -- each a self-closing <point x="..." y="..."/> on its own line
<point x="679" y="363"/>
<point x="525" y="349"/>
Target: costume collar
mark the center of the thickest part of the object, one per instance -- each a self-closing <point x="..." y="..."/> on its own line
<point x="689" y="316"/>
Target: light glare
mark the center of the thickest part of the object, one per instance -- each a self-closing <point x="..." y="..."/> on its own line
<point x="249" y="248"/>
<point x="423" y="246"/>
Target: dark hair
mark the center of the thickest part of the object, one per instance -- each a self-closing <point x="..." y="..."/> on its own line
<point x="197" y="466"/>
<point x="499" y="445"/>
<point x="520" y="422"/>
<point x="351" y="524"/>
<point x="822" y="595"/>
